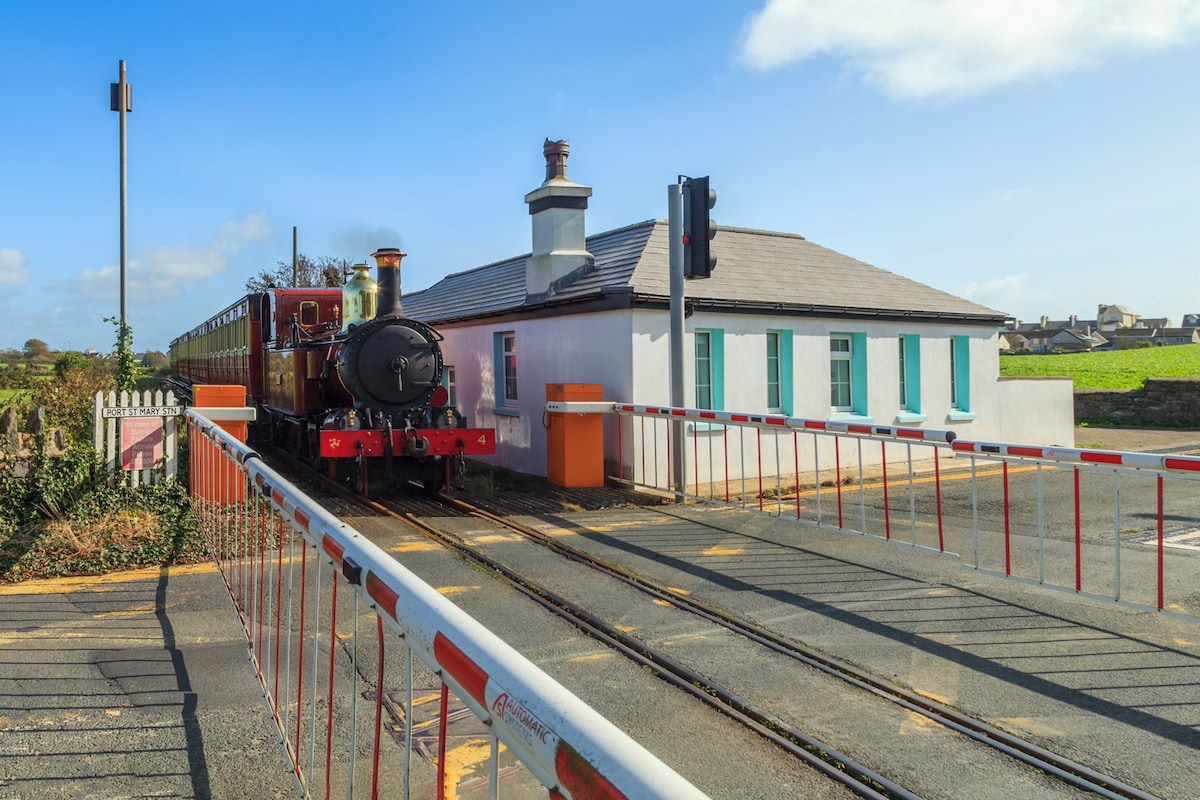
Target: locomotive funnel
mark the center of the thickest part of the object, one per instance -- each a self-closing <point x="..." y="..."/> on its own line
<point x="388" y="259"/>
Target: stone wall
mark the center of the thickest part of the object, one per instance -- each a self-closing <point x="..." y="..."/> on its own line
<point x="22" y="448"/>
<point x="1173" y="402"/>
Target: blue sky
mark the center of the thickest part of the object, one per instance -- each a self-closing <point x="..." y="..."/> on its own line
<point x="1037" y="156"/>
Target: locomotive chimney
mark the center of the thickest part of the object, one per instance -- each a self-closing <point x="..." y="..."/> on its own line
<point x="388" y="259"/>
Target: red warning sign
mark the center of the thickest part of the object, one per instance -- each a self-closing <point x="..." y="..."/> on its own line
<point x="141" y="442"/>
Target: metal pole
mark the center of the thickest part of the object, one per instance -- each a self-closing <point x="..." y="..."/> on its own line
<point x="121" y="97"/>
<point x="295" y="258"/>
<point x="675" y="235"/>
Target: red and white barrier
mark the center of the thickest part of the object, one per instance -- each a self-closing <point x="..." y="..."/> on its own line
<point x="1034" y="513"/>
<point x="263" y="547"/>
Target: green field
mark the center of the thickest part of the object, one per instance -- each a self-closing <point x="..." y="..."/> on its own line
<point x="1113" y="369"/>
<point x="7" y="395"/>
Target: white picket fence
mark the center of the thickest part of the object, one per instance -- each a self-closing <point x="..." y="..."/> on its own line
<point x="137" y="434"/>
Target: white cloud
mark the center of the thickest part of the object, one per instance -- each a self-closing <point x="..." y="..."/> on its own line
<point x="13" y="271"/>
<point x="923" y="48"/>
<point x="160" y="273"/>
<point x="1012" y="294"/>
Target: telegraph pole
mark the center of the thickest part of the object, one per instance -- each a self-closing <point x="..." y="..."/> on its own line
<point x="121" y="100"/>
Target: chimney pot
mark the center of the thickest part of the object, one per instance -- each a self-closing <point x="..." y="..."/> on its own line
<point x="556" y="158"/>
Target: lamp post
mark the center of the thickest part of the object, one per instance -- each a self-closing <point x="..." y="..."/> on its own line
<point x="121" y="100"/>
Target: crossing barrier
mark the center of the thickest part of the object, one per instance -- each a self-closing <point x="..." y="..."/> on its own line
<point x="1099" y="523"/>
<point x="367" y="709"/>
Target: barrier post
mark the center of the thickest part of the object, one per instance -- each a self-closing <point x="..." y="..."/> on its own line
<point x="217" y="481"/>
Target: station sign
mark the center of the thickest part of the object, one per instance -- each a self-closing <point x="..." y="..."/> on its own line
<point x="128" y="412"/>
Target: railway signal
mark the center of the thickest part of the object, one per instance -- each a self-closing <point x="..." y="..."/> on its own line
<point x="698" y="228"/>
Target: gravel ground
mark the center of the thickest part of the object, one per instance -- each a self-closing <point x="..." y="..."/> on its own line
<point x="1137" y="439"/>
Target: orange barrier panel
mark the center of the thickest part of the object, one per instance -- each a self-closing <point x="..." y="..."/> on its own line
<point x="213" y="477"/>
<point x="575" y="442"/>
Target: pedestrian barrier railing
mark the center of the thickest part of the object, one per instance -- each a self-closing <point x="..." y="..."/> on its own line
<point x="371" y="712"/>
<point x="1100" y="523"/>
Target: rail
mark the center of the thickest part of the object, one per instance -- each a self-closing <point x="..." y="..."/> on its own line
<point x="1104" y="524"/>
<point x="279" y="553"/>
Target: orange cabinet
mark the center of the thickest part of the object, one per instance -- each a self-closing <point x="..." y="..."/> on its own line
<point x="575" y="442"/>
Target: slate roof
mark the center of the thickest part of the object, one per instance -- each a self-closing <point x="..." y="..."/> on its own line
<point x="755" y="269"/>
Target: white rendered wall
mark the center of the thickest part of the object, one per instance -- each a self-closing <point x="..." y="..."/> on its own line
<point x="628" y="352"/>
<point x="586" y="348"/>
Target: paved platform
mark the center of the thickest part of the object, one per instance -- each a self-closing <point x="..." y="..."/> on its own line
<point x="131" y="685"/>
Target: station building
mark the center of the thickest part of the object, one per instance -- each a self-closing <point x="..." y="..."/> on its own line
<point x="783" y="326"/>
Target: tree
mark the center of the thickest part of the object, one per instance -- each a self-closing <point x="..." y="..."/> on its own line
<point x="155" y="361"/>
<point x="35" y="349"/>
<point x="322" y="271"/>
<point x="72" y="361"/>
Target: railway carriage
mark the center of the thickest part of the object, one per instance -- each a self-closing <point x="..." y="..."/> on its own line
<point x="340" y="377"/>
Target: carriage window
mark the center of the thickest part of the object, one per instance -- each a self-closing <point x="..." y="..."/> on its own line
<point x="308" y="313"/>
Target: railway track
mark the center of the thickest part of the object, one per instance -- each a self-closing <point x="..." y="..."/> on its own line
<point x="835" y="765"/>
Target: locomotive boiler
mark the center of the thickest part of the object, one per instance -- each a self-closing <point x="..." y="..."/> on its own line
<point x="341" y="378"/>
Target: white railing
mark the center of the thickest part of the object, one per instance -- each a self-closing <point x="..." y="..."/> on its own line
<point x="1100" y="523"/>
<point x="292" y="569"/>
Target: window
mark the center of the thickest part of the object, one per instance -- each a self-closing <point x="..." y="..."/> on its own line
<point x="848" y="373"/>
<point x="779" y="372"/>
<point x="710" y="389"/>
<point x="960" y="374"/>
<point x="451" y="386"/>
<point x="505" y="346"/>
<point x="841" y="386"/>
<point x="704" y="377"/>
<point x="909" y="363"/>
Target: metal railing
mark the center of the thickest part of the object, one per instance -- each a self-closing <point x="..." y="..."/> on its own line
<point x="1105" y="524"/>
<point x="370" y="713"/>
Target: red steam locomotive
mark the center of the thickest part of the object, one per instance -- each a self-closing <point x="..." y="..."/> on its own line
<point x="340" y="377"/>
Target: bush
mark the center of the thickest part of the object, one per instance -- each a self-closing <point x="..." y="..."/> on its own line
<point x="109" y="529"/>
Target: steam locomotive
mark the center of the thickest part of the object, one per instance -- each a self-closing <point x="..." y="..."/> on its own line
<point x="341" y="378"/>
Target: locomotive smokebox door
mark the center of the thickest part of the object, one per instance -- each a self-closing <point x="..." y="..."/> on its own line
<point x="391" y="363"/>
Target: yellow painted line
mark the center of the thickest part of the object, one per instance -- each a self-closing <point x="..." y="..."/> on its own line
<point x="493" y="538"/>
<point x="677" y="590"/>
<point x="414" y="547"/>
<point x="722" y="551"/>
<point x="592" y="657"/>
<point x="953" y="476"/>
<point x="462" y="761"/>
<point x="1041" y="726"/>
<point x="449" y="590"/>
<point x="625" y="628"/>
<point x="915" y="723"/>
<point x="61" y="585"/>
<point x="658" y="602"/>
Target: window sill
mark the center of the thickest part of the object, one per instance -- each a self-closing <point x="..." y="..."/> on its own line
<point x="909" y="418"/>
<point x="506" y="412"/>
<point x="850" y="416"/>
<point x="960" y="416"/>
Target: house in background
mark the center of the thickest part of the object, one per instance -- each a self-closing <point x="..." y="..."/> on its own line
<point x="1129" y="338"/>
<point x="783" y="326"/>
<point x="1115" y="316"/>
<point x="1174" y="336"/>
<point x="1190" y="321"/>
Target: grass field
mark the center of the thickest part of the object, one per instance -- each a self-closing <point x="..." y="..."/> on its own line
<point x="1113" y="369"/>
<point x="8" y="395"/>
